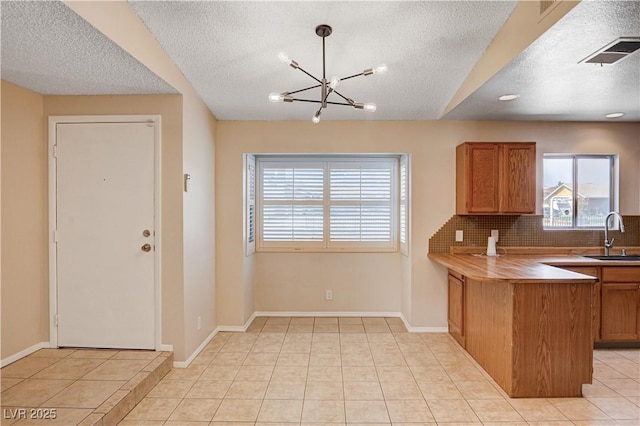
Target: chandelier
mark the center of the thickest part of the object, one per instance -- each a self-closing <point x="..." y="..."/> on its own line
<point x="327" y="87"/>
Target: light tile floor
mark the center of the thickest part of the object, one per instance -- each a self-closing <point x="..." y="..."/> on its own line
<point x="338" y="371"/>
<point x="72" y="387"/>
<point x="368" y="370"/>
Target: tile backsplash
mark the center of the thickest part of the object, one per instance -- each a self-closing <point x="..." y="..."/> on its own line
<point x="526" y="231"/>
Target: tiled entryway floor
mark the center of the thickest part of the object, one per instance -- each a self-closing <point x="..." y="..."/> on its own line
<point x="78" y="386"/>
<point x="360" y="371"/>
<point x="367" y="370"/>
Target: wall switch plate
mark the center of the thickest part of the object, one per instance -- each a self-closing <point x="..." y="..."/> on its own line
<point x="199" y="322"/>
<point x="328" y="295"/>
<point x="495" y="234"/>
<point x="459" y="235"/>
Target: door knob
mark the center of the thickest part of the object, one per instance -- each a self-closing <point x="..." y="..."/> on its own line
<point x="146" y="247"/>
<point x="146" y="233"/>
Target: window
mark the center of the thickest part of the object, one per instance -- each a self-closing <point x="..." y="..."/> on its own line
<point x="327" y="203"/>
<point x="578" y="190"/>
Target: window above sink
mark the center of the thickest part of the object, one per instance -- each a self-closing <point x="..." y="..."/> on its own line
<point x="579" y="190"/>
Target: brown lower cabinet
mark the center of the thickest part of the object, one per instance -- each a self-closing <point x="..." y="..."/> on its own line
<point x="620" y="301"/>
<point x="616" y="303"/>
<point x="455" y="312"/>
<point x="521" y="335"/>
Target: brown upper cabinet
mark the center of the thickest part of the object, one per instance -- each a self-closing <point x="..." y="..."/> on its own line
<point x="496" y="178"/>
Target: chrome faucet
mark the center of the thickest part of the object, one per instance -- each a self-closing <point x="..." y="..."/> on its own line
<point x="608" y="244"/>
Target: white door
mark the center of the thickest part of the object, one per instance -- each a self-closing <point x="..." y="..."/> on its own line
<point x="105" y="203"/>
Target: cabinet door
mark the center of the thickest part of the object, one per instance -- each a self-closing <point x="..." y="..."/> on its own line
<point x="482" y="180"/>
<point x="620" y="304"/>
<point x="456" y="308"/>
<point x="518" y="178"/>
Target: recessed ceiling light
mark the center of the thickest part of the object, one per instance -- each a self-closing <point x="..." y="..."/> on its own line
<point x="615" y="115"/>
<point x="508" y="97"/>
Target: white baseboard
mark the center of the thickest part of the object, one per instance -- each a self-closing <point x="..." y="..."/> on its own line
<point x="185" y="364"/>
<point x="23" y="353"/>
<point x="412" y="329"/>
<point x="325" y="314"/>
<point x="239" y="328"/>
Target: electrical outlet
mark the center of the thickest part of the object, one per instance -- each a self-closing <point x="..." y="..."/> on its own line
<point x="495" y="234"/>
<point x="328" y="295"/>
<point x="199" y="322"/>
<point x="459" y="235"/>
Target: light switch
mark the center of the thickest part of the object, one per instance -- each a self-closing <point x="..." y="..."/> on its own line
<point x="495" y="234"/>
<point x="459" y="235"/>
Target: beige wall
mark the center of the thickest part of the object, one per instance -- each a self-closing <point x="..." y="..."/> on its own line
<point x="24" y="277"/>
<point x="199" y="225"/>
<point x="361" y="282"/>
<point x="296" y="281"/>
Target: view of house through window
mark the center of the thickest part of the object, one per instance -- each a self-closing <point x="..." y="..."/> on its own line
<point x="327" y="203"/>
<point x="578" y="190"/>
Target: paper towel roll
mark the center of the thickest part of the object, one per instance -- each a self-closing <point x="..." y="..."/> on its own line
<point x="491" y="246"/>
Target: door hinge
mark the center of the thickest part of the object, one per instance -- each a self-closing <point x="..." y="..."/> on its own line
<point x="55" y="320"/>
<point x="55" y="151"/>
<point x="55" y="235"/>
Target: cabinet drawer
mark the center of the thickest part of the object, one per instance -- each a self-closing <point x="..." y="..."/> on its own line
<point x="620" y="274"/>
<point x="587" y="270"/>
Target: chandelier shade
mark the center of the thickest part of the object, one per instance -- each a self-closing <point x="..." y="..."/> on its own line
<point x="327" y="87"/>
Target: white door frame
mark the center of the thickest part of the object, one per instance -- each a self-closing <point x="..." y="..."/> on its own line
<point x="53" y="284"/>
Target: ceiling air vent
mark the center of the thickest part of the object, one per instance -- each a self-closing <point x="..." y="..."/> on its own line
<point x="614" y="51"/>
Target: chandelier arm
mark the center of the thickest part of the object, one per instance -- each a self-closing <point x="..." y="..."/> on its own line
<point x="351" y="76"/>
<point x="319" y="102"/>
<point x="343" y="97"/>
<point x="301" y="69"/>
<point x="324" y="101"/>
<point x="339" y="103"/>
<point x="306" y="88"/>
<point x="307" y="100"/>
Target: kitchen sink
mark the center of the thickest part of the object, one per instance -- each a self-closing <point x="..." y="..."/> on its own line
<point x="628" y="258"/>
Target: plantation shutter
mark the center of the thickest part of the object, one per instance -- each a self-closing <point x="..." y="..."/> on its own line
<point x="361" y="202"/>
<point x="250" y="188"/>
<point x="292" y="202"/>
<point x="328" y="203"/>
<point x="404" y="223"/>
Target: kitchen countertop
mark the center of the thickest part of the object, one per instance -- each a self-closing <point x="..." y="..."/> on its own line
<point x="522" y="268"/>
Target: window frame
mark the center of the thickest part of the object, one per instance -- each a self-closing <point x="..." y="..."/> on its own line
<point x="325" y="245"/>
<point x="250" y="207"/>
<point x="404" y="197"/>
<point x="613" y="187"/>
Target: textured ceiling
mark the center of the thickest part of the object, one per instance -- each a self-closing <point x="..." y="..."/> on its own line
<point x="228" y="51"/>
<point x="49" y="49"/>
<point x="552" y="84"/>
